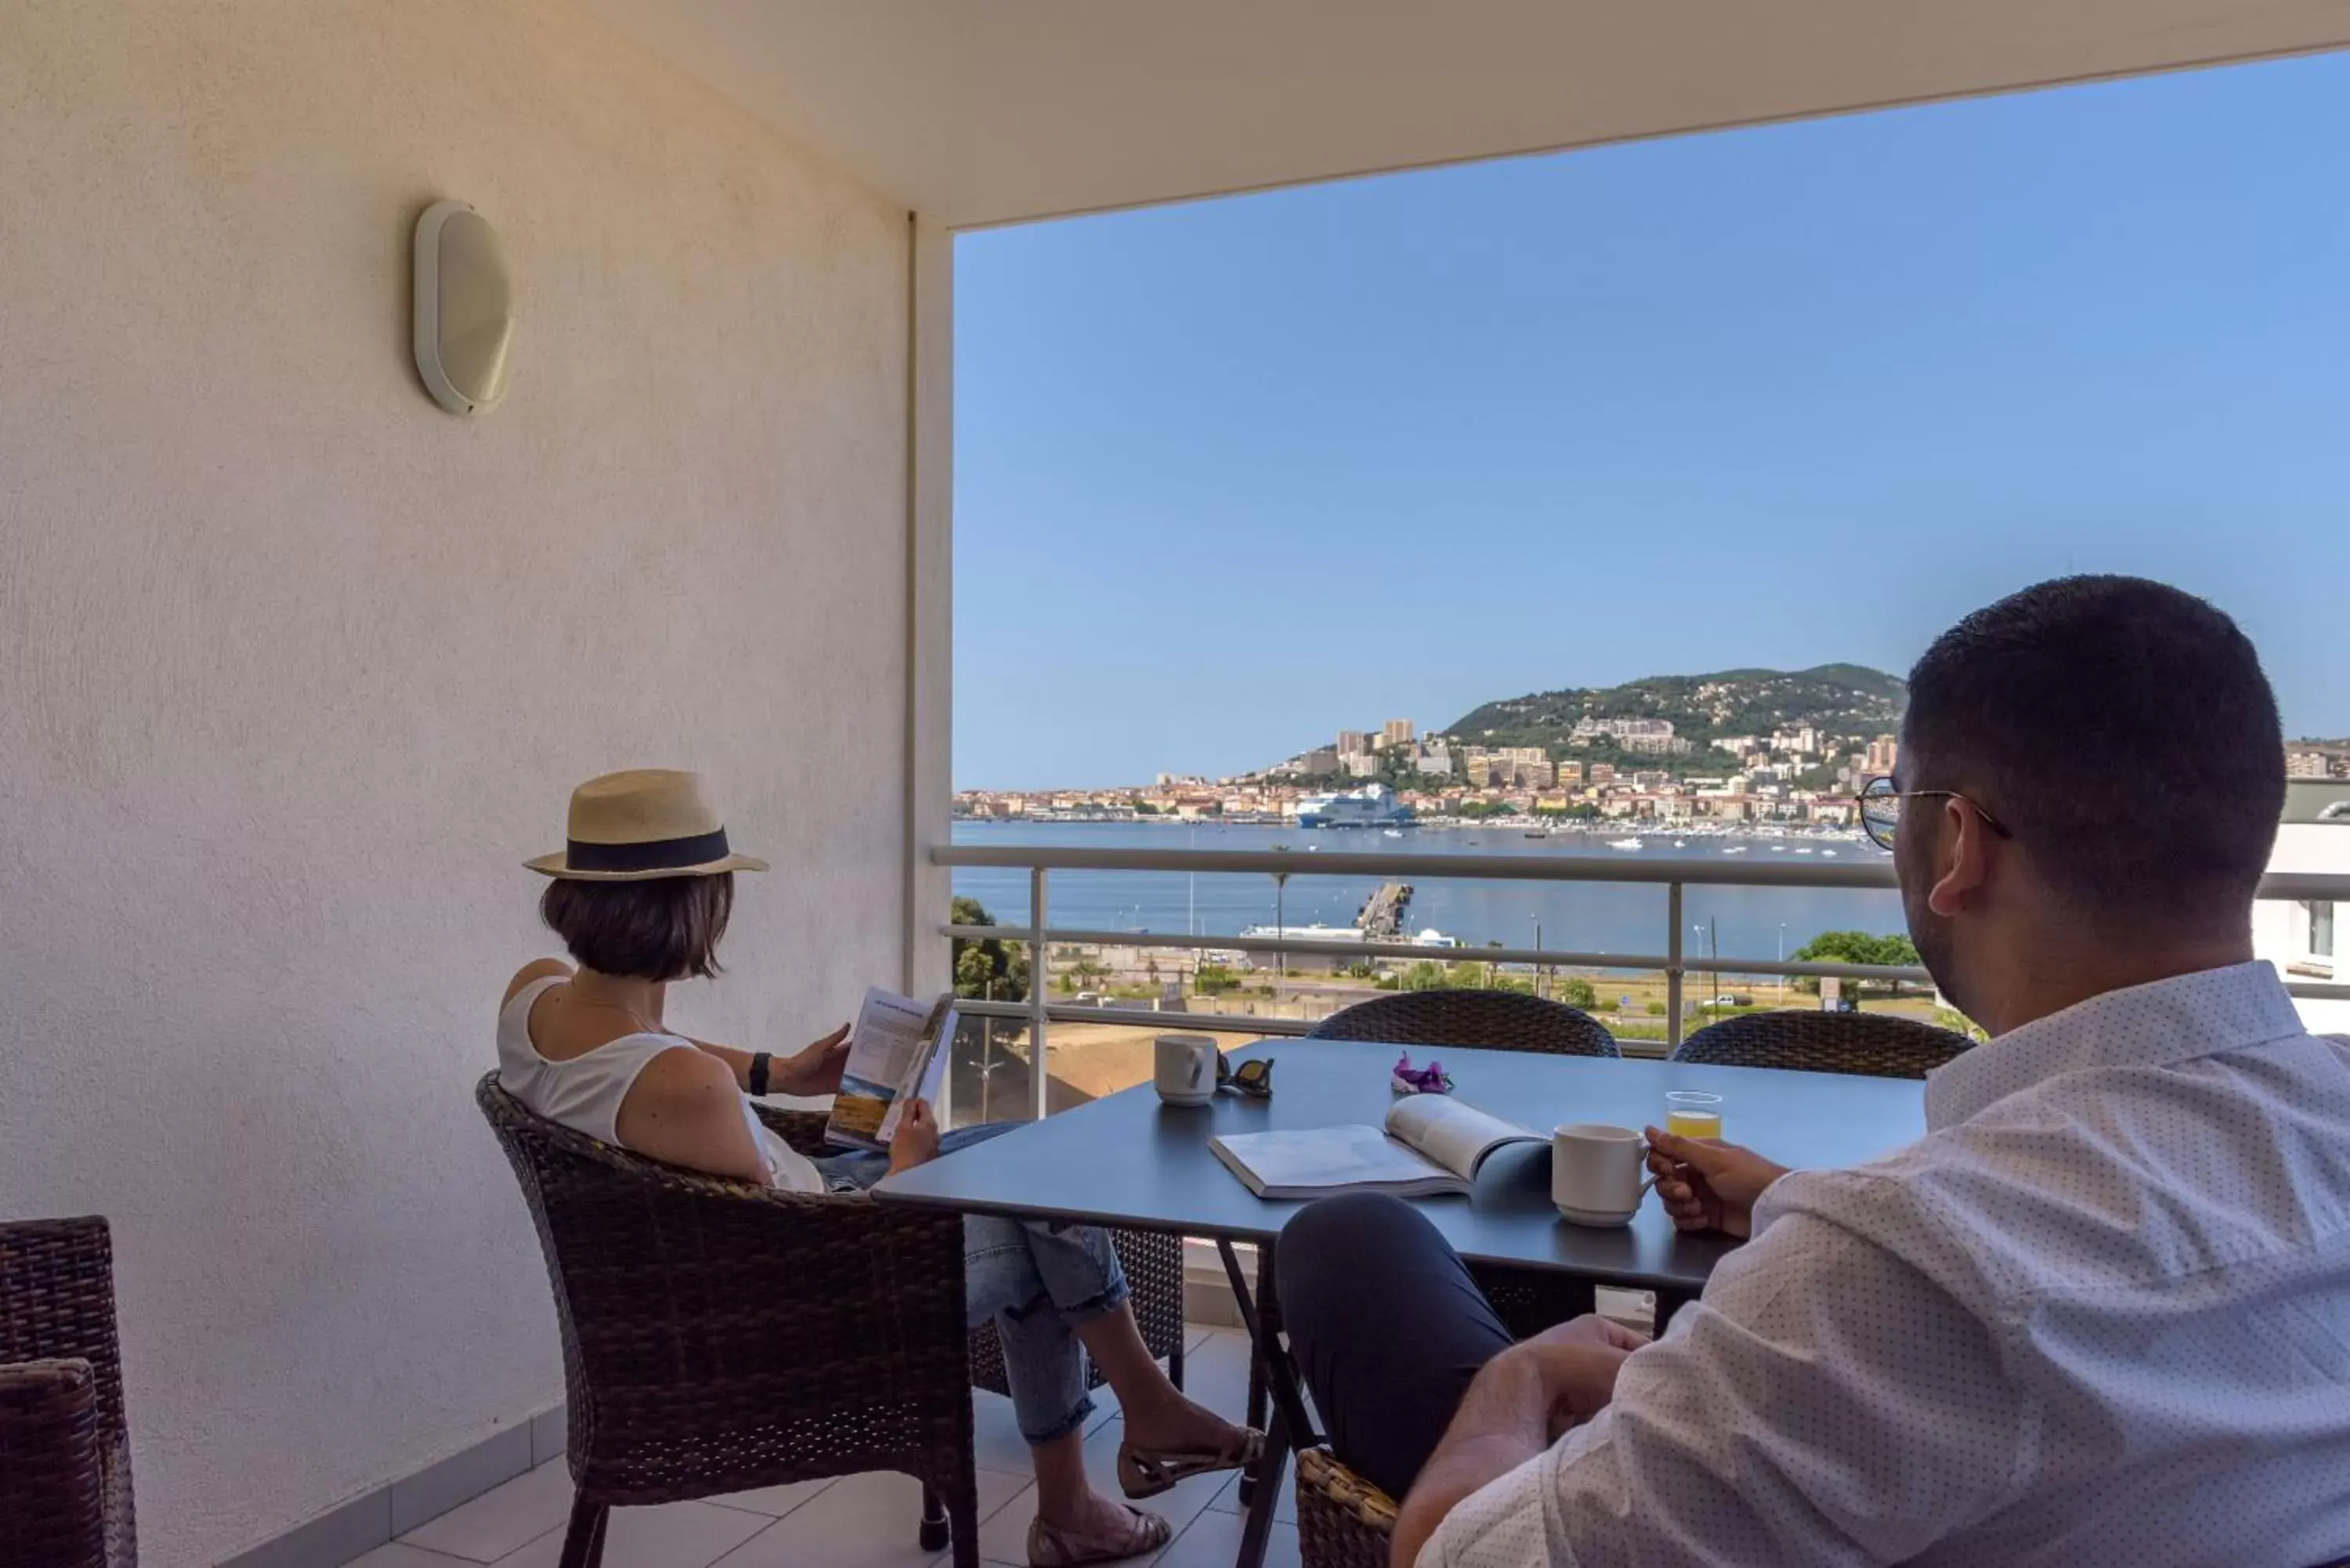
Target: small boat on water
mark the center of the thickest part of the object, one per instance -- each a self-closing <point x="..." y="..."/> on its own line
<point x="1829" y="853"/>
<point x="1537" y="833"/>
<point x="1807" y="849"/>
<point x="1778" y="850"/>
<point x="1734" y="849"/>
<point x="1624" y="844"/>
<point x="1391" y="833"/>
<point x="1680" y="843"/>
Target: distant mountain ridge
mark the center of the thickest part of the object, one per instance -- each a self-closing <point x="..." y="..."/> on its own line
<point x="1838" y="698"/>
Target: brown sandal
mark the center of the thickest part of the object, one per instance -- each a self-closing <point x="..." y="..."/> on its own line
<point x="1146" y="1473"/>
<point x="1052" y="1546"/>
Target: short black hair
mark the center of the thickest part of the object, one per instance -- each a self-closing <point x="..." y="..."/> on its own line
<point x="2122" y="729"/>
<point x="662" y="929"/>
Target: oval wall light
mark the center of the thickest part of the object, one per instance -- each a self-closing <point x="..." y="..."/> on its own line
<point x="464" y="309"/>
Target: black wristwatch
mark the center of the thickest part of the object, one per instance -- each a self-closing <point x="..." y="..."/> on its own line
<point x="759" y="1065"/>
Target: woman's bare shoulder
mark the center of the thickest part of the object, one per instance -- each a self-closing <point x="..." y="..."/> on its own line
<point x="533" y="972"/>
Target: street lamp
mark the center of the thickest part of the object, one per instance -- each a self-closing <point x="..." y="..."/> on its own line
<point x="1711" y="927"/>
<point x="1280" y="929"/>
<point x="1538" y="963"/>
<point x="1782" y="958"/>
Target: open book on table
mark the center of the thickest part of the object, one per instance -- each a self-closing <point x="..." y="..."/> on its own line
<point x="1431" y="1144"/>
<point x="897" y="1052"/>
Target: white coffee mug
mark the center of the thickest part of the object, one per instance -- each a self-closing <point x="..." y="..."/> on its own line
<point x="1186" y="1069"/>
<point x="1596" y="1172"/>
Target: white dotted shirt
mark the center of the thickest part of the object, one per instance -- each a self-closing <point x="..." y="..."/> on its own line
<point x="2099" y="1313"/>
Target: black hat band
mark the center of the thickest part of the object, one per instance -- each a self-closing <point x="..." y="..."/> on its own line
<point x="659" y="855"/>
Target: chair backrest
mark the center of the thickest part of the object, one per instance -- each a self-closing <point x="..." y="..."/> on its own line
<point x="57" y="1303"/>
<point x="1486" y="1020"/>
<point x="1868" y="1043"/>
<point x="52" y="1476"/>
<point x="693" y="1307"/>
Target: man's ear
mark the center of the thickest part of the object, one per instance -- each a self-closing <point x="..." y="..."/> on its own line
<point x="1962" y="860"/>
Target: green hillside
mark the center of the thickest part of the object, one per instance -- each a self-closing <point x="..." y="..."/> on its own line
<point x="1838" y="699"/>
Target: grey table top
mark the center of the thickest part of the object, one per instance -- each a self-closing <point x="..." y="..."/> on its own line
<point x="1128" y="1161"/>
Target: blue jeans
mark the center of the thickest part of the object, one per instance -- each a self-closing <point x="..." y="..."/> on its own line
<point x="1038" y="1282"/>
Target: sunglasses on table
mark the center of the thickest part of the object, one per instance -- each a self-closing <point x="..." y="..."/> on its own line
<point x="1252" y="1078"/>
<point x="1880" y="799"/>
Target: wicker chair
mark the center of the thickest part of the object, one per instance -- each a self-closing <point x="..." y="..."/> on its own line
<point x="754" y="1353"/>
<point x="1483" y="1020"/>
<point x="1343" y="1520"/>
<point x="1870" y="1044"/>
<point x="65" y="1451"/>
<point x="718" y="1336"/>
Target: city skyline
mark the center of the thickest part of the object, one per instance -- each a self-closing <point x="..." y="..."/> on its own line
<point x="1235" y="475"/>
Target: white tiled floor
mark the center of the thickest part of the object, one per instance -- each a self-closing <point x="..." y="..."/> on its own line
<point x="859" y="1521"/>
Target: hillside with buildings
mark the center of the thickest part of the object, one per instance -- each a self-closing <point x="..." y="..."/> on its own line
<point x="1739" y="746"/>
<point x="1675" y="715"/>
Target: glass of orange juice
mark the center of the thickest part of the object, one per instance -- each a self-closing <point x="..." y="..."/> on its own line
<point x="1689" y="1114"/>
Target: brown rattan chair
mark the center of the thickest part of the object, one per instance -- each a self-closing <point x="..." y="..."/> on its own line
<point x="1343" y="1520"/>
<point x="1868" y="1043"/>
<point x="1484" y="1020"/>
<point x="816" y="1267"/>
<point x="719" y="1336"/>
<point x="65" y="1451"/>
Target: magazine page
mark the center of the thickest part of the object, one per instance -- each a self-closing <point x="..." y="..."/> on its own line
<point x="929" y="1066"/>
<point x="884" y="1052"/>
<point x="1304" y="1163"/>
<point x="1457" y="1136"/>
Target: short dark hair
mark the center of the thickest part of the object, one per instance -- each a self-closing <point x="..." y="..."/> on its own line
<point x="662" y="929"/>
<point x="2123" y="729"/>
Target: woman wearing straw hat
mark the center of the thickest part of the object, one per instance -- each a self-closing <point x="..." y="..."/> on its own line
<point x="640" y="896"/>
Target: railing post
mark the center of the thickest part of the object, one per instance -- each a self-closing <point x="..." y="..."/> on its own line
<point x="1673" y="968"/>
<point x="1039" y="984"/>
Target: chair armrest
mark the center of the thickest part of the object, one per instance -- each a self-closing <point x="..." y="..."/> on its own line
<point x="52" y="1484"/>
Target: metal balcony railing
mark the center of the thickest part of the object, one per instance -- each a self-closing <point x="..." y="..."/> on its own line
<point x="1038" y="1012"/>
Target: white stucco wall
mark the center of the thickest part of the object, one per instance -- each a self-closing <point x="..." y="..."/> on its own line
<point x="295" y="668"/>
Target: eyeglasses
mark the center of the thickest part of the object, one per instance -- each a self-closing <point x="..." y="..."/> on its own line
<point x="1253" y="1080"/>
<point x="1880" y="809"/>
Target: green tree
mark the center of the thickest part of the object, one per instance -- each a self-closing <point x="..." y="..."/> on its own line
<point x="1578" y="993"/>
<point x="1425" y="975"/>
<point x="1214" y="980"/>
<point x="986" y="966"/>
<point x="1855" y="947"/>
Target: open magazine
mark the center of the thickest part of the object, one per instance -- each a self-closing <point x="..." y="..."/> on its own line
<point x="1431" y="1144"/>
<point x="897" y="1052"/>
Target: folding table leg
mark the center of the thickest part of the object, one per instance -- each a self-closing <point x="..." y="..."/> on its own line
<point x="1289" y="1425"/>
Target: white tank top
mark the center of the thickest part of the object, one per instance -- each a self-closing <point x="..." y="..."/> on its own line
<point x="585" y="1093"/>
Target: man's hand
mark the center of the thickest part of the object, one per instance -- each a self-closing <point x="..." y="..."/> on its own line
<point x="1707" y="1185"/>
<point x="1576" y="1363"/>
<point x="917" y="1142"/>
<point x="817" y="1069"/>
<point x="1516" y="1406"/>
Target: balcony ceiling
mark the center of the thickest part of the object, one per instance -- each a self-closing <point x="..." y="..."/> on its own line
<point x="986" y="111"/>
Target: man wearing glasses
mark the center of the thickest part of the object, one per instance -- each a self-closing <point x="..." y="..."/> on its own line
<point x="2100" y="1312"/>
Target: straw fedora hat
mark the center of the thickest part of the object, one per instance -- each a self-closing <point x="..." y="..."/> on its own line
<point x="637" y="825"/>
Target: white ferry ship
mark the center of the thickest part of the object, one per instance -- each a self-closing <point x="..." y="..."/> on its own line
<point x="1373" y="805"/>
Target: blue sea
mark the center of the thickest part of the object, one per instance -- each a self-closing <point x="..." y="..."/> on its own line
<point x="1579" y="917"/>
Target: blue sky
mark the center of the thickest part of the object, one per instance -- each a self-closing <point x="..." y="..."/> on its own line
<point x="1232" y="475"/>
